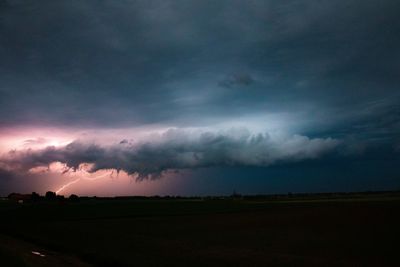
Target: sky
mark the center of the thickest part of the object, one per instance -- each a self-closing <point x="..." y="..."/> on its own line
<point x="174" y="97"/>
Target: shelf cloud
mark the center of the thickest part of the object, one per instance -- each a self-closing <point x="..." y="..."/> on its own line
<point x="177" y="149"/>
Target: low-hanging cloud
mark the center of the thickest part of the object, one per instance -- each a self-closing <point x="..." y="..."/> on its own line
<point x="176" y="149"/>
<point x="236" y="79"/>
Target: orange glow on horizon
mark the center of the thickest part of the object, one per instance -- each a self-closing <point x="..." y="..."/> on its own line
<point x="62" y="179"/>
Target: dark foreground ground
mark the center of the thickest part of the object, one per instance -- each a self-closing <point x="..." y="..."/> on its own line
<point x="345" y="231"/>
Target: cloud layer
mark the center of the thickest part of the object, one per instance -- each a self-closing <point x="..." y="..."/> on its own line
<point x="176" y="149"/>
<point x="164" y="61"/>
<point x="320" y="71"/>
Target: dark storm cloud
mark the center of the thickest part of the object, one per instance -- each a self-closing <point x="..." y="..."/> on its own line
<point x="178" y="149"/>
<point x="377" y="120"/>
<point x="322" y="70"/>
<point x="237" y="79"/>
<point x="70" y="63"/>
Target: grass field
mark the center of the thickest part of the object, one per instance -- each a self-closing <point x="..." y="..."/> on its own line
<point x="344" y="231"/>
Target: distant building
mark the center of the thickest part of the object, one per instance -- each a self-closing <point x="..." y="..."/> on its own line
<point x="20" y="198"/>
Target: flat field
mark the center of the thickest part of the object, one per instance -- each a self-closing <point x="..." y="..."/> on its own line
<point x="314" y="231"/>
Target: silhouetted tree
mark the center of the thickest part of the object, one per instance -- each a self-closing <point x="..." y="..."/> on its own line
<point x="73" y="198"/>
<point x="35" y="197"/>
<point x="60" y="198"/>
<point x="51" y="195"/>
<point x="12" y="195"/>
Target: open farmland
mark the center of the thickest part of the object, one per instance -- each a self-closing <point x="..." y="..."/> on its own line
<point x="341" y="231"/>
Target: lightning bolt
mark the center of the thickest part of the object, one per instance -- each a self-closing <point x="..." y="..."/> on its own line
<point x="87" y="178"/>
<point x="67" y="185"/>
